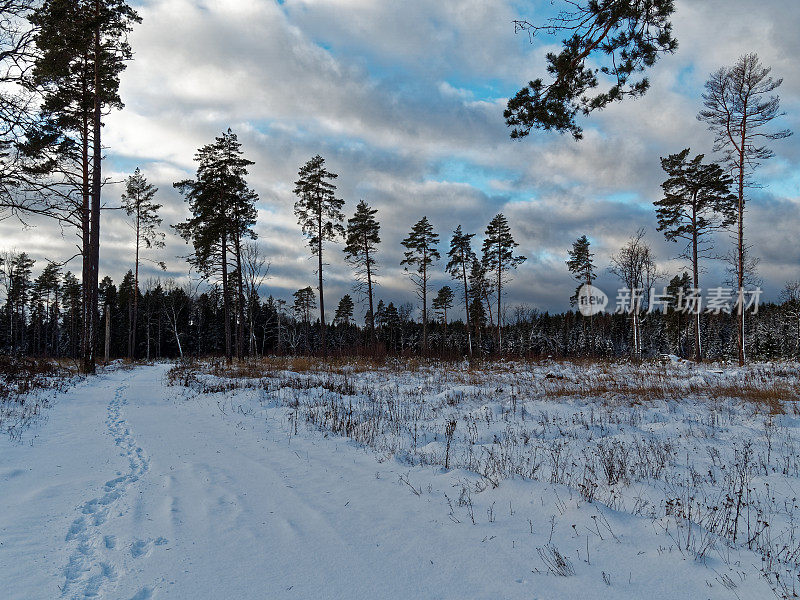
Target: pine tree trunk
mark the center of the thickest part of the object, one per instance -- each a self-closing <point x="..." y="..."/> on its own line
<point x="239" y="297"/>
<point x="425" y="302"/>
<point x="107" y="353"/>
<point x="499" y="295"/>
<point x="251" y="338"/>
<point x="241" y="300"/>
<point x="369" y="291"/>
<point x="11" y="328"/>
<point x="158" y="336"/>
<point x="132" y="336"/>
<point x="591" y="316"/>
<point x="487" y="299"/>
<point x="740" y="312"/>
<point x="97" y="152"/>
<point x="225" y="298"/>
<point x="280" y="339"/>
<point x="321" y="298"/>
<point x="85" y="235"/>
<point x="698" y="352"/>
<point x="466" y="303"/>
<point x="130" y="328"/>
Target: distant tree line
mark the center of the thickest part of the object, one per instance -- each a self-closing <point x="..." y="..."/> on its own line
<point x="42" y="316"/>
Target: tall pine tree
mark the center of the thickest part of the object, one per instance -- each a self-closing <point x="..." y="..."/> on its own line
<point x="697" y="201"/>
<point x="82" y="49"/>
<point x="580" y="264"/>
<point x="319" y="213"/>
<point x="678" y="289"/>
<point x="740" y="104"/>
<point x="499" y="259"/>
<point x="460" y="257"/>
<point x="344" y="312"/>
<point x="223" y="212"/>
<point x="420" y="253"/>
<point x="442" y="303"/>
<point x="582" y="268"/>
<point x="139" y="205"/>
<point x="361" y="244"/>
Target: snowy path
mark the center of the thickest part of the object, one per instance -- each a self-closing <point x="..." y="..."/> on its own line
<point x="88" y="570"/>
<point x="133" y="490"/>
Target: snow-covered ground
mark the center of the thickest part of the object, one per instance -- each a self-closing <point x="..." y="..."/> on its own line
<point x="564" y="482"/>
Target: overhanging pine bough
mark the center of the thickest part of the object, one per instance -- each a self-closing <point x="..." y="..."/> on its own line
<point x="625" y="36"/>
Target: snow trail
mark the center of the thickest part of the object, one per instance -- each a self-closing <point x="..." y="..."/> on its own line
<point x="89" y="568"/>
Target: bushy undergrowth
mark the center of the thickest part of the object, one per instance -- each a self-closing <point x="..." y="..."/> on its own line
<point x="27" y="386"/>
<point x="710" y="454"/>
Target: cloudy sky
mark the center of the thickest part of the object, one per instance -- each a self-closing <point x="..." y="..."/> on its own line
<point x="405" y="101"/>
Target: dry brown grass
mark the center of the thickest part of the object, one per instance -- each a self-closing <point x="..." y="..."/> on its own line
<point x="773" y="398"/>
<point x="270" y="366"/>
<point x="770" y="396"/>
<point x="613" y="382"/>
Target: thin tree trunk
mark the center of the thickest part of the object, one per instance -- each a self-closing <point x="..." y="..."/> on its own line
<point x="11" y="330"/>
<point x="147" y="329"/>
<point x="132" y="336"/>
<point x="321" y="292"/>
<point x="425" y="302"/>
<point x="252" y="340"/>
<point x="239" y="297"/>
<point x="499" y="293"/>
<point x="108" y="334"/>
<point x="225" y="298"/>
<point x="466" y="303"/>
<point x="698" y="351"/>
<point x="740" y="312"/>
<point x="280" y="339"/>
<point x="199" y="340"/>
<point x="158" y="332"/>
<point x="488" y="300"/>
<point x="177" y="335"/>
<point x="369" y="291"/>
<point x="130" y="327"/>
<point x="591" y="316"/>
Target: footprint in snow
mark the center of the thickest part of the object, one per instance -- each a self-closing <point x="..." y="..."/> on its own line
<point x="143" y="594"/>
<point x="115" y="482"/>
<point x="76" y="529"/>
<point x="141" y="548"/>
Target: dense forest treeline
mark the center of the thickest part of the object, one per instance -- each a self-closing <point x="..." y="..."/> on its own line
<point x="42" y="317"/>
